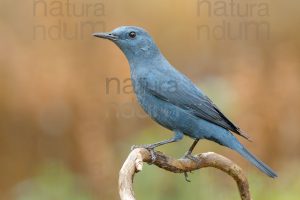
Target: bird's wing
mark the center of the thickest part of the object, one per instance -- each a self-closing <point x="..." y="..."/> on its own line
<point x="187" y="96"/>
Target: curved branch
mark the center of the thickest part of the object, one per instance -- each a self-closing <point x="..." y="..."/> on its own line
<point x="134" y="164"/>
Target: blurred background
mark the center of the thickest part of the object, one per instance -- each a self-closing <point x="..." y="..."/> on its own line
<point x="68" y="116"/>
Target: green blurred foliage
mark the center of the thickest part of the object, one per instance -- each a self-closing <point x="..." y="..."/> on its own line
<point x="53" y="181"/>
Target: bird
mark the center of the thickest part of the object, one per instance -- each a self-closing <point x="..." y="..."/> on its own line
<point x="172" y="100"/>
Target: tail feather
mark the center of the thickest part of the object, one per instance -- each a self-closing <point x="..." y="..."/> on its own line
<point x="259" y="164"/>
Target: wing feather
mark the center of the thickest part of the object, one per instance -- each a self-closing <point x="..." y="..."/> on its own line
<point x="187" y="96"/>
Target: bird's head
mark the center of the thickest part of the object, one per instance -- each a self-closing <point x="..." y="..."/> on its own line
<point x="135" y="42"/>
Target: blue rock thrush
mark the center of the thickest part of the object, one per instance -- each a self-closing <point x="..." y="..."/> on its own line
<point x="172" y="100"/>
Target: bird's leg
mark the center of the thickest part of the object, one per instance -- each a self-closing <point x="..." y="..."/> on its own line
<point x="188" y="154"/>
<point x="177" y="136"/>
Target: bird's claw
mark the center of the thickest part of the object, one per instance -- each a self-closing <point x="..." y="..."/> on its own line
<point x="188" y="155"/>
<point x="186" y="177"/>
<point x="153" y="156"/>
<point x="149" y="148"/>
<point x="133" y="147"/>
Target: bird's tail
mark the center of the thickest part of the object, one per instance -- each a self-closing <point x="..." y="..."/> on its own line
<point x="259" y="164"/>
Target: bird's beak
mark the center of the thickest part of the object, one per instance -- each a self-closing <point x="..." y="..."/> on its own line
<point x="108" y="36"/>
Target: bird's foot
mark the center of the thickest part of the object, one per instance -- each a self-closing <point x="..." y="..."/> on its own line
<point x="149" y="147"/>
<point x="188" y="155"/>
<point x="186" y="177"/>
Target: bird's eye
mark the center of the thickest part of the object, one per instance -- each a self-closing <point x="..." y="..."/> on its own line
<point x="132" y="34"/>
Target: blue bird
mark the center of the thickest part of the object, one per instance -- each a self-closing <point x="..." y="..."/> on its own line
<point x="172" y="100"/>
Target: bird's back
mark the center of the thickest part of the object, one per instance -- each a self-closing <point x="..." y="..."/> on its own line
<point x="162" y="80"/>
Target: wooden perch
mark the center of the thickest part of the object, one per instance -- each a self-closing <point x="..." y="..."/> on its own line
<point x="134" y="164"/>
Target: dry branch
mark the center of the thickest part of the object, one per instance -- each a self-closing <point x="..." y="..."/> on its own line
<point x="134" y="164"/>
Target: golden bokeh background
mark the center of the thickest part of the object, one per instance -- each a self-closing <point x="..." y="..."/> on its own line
<point x="68" y="116"/>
